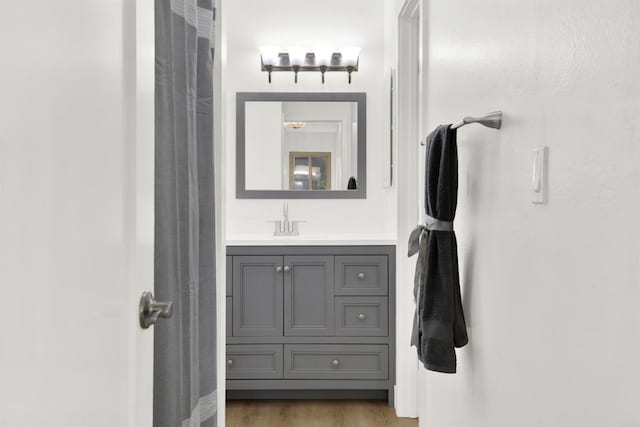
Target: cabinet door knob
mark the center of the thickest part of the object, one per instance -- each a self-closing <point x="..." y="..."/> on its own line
<point x="362" y="316"/>
<point x="360" y="276"/>
<point x="230" y="362"/>
<point x="278" y="269"/>
<point x="335" y="362"/>
<point x="287" y="268"/>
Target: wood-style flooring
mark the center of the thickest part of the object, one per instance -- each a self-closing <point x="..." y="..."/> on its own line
<point x="313" y="413"/>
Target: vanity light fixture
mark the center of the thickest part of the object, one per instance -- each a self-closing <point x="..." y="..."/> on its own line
<point x="297" y="58"/>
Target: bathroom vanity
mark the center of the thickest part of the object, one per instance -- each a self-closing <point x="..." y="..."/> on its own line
<point x="310" y="322"/>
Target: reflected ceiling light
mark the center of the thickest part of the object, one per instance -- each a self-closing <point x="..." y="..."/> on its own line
<point x="297" y="58"/>
<point x="294" y="125"/>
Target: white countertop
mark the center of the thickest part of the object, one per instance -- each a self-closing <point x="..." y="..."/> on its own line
<point x="354" y="240"/>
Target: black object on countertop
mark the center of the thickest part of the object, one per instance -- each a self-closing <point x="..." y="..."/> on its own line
<point x="352" y="185"/>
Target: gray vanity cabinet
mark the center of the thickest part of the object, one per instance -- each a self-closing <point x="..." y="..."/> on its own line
<point x="310" y="321"/>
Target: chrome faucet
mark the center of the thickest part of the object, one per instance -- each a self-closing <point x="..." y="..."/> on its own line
<point x="286" y="227"/>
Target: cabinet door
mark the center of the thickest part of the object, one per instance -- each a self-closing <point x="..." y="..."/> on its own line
<point x="229" y="290"/>
<point x="257" y="296"/>
<point x="308" y="295"/>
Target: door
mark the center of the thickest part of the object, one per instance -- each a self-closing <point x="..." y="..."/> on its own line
<point x="76" y="212"/>
<point x="257" y="296"/>
<point x="308" y="295"/>
<point x="413" y="55"/>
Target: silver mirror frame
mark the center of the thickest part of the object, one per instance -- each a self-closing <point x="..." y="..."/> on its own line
<point x="243" y="97"/>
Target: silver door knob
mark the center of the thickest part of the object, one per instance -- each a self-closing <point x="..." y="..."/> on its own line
<point x="287" y="268"/>
<point x="278" y="269"/>
<point x="360" y="276"/>
<point x="335" y="362"/>
<point x="230" y="362"/>
<point x="362" y="316"/>
<point x="149" y="310"/>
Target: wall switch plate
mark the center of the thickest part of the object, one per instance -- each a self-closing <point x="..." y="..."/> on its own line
<point x="539" y="175"/>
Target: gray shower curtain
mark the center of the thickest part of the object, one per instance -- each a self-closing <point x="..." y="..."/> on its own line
<point x="184" y="391"/>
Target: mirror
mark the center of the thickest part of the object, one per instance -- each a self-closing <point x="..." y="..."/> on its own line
<point x="301" y="145"/>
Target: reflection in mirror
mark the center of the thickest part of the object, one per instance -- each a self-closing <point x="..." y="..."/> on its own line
<point x="300" y="146"/>
<point x="309" y="171"/>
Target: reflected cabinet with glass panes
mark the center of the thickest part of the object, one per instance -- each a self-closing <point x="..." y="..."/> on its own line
<point x="309" y="171"/>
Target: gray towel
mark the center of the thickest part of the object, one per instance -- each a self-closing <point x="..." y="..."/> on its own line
<point x="439" y="322"/>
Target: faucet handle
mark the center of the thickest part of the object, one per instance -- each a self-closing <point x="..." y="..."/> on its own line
<point x="294" y="227"/>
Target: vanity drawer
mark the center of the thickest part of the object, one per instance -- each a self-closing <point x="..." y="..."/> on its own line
<point x="361" y="275"/>
<point x="336" y="362"/>
<point x="361" y="316"/>
<point x="254" y="361"/>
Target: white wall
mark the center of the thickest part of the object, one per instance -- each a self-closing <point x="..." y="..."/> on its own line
<point x="550" y="292"/>
<point x="290" y="22"/>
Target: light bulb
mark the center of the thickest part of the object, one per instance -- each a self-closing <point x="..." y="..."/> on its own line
<point x="269" y="54"/>
<point x="323" y="55"/>
<point x="297" y="55"/>
<point x="350" y="55"/>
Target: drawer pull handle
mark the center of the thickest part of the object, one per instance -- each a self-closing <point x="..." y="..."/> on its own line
<point x="361" y="276"/>
<point x="287" y="268"/>
<point x="278" y="269"/>
<point x="230" y="362"/>
<point x="335" y="362"/>
<point x="362" y="316"/>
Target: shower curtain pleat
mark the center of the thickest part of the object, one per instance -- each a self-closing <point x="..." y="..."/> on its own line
<point x="184" y="350"/>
